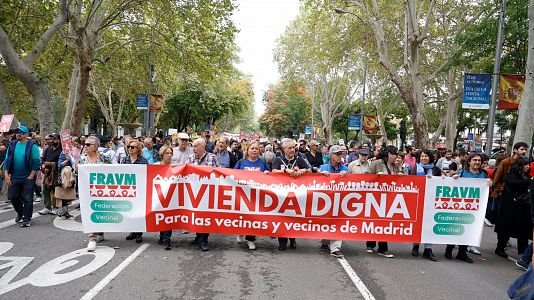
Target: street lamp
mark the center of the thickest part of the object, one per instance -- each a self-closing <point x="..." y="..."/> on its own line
<point x="342" y="11"/>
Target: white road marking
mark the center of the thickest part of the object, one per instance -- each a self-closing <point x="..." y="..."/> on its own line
<point x="356" y="279"/>
<point x="69" y="224"/>
<point x="34" y="215"/>
<point x="102" y="284"/>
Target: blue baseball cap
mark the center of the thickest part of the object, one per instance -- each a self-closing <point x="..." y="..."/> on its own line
<point x="23" y="129"/>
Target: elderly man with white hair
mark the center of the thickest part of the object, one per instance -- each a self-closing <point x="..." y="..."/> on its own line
<point x="295" y="166"/>
<point x="202" y="158"/>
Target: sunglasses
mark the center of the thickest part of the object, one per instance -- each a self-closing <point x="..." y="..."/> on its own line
<point x="88" y="145"/>
<point x="131" y="147"/>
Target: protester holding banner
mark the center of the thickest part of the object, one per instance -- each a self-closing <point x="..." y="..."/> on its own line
<point x="472" y="170"/>
<point x="313" y="156"/>
<point x="92" y="156"/>
<point x="514" y="216"/>
<point x="295" y="166"/>
<point x="252" y="162"/>
<point x="361" y="164"/>
<point x="134" y="157"/>
<point x="166" y="154"/>
<point x="424" y="166"/>
<point x="202" y="158"/>
<point x="385" y="164"/>
<point x="333" y="166"/>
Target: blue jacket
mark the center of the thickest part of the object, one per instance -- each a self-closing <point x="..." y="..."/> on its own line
<point x="8" y="165"/>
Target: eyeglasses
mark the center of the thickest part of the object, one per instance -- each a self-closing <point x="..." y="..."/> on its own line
<point x="88" y="145"/>
<point x="131" y="147"/>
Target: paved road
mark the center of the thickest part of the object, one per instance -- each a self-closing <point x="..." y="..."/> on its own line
<point x="123" y="269"/>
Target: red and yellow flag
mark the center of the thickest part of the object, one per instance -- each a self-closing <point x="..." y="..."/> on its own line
<point x="511" y="88"/>
<point x="370" y="123"/>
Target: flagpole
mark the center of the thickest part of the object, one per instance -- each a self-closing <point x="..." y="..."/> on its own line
<point x="495" y="83"/>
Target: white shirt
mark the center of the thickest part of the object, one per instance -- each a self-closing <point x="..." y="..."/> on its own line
<point x="180" y="157"/>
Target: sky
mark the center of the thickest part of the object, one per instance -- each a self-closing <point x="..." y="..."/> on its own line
<point x="260" y="23"/>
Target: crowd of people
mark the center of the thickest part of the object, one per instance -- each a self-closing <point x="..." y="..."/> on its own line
<point x="36" y="169"/>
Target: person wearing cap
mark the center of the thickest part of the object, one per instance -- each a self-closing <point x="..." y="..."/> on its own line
<point x="49" y="166"/>
<point x="183" y="151"/>
<point x="20" y="169"/>
<point x="314" y="157"/>
<point x="334" y="165"/>
<point x="361" y="164"/>
<point x="385" y="164"/>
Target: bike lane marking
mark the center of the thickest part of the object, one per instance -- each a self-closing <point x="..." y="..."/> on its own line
<point x="364" y="291"/>
<point x="114" y="273"/>
<point x="70" y="224"/>
<point x="34" y="216"/>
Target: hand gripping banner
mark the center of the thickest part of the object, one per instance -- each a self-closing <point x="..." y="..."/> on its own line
<point x="152" y="198"/>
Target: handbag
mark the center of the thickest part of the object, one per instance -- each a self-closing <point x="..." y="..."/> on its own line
<point x="523" y="286"/>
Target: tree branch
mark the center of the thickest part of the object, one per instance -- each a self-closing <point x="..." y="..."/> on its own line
<point x="424" y="34"/>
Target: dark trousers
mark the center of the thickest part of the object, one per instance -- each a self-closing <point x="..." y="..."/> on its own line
<point x="38" y="191"/>
<point x="502" y="240"/>
<point x="165" y="235"/>
<point x="283" y="241"/>
<point x="251" y="238"/>
<point x="20" y="193"/>
<point x="382" y="246"/>
<point x="461" y="248"/>
<point x="202" y="238"/>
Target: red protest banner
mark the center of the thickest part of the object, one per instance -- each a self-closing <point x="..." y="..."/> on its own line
<point x="66" y="140"/>
<point x="5" y="123"/>
<point x="354" y="207"/>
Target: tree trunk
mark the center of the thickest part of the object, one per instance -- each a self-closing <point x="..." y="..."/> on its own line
<point x="525" y="123"/>
<point x="453" y="105"/>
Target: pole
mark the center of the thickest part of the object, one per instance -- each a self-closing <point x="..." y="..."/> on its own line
<point x="364" y="84"/>
<point x="495" y="83"/>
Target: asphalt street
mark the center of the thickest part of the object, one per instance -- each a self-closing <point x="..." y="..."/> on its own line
<point x="48" y="261"/>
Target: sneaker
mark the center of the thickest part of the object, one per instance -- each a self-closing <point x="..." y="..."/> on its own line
<point x="501" y="253"/>
<point x="463" y="257"/>
<point x="131" y="236"/>
<point x="473" y="250"/>
<point x="251" y="245"/>
<point x="67" y="216"/>
<point x="44" y="211"/>
<point x="448" y="252"/>
<point x="370" y="250"/>
<point x="488" y="222"/>
<point x="25" y="224"/>
<point x="337" y="254"/>
<point x="18" y="219"/>
<point x="91" y="246"/>
<point x="204" y="247"/>
<point x="139" y="240"/>
<point x="386" y="254"/>
<point x="53" y="212"/>
<point x="325" y="247"/>
<point x="427" y="253"/>
<point x="522" y="265"/>
<point x="240" y="238"/>
<point x="99" y="238"/>
<point x="167" y="245"/>
<point x="38" y="199"/>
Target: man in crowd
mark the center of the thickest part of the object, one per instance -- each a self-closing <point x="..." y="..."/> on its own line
<point x="314" y="157"/>
<point x="225" y="158"/>
<point x="519" y="150"/>
<point x="353" y="153"/>
<point x="150" y="153"/>
<point x="459" y="162"/>
<point x="294" y="165"/>
<point x="49" y="162"/>
<point x="20" y="170"/>
<point x="410" y="156"/>
<point x="333" y="166"/>
<point x="235" y="150"/>
<point x="361" y="165"/>
<point x="181" y="153"/>
<point x="106" y="148"/>
<point x="201" y="157"/>
<point x="303" y="147"/>
<point x="444" y="162"/>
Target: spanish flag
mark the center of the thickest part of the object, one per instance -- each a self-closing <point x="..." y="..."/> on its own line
<point x="370" y="123"/>
<point x="511" y="88"/>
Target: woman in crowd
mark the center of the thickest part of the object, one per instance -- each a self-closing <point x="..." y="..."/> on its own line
<point x="165" y="152"/>
<point x="92" y="156"/>
<point x="65" y="190"/>
<point x="252" y="162"/>
<point x="135" y="149"/>
<point x="424" y="166"/>
<point x="513" y="217"/>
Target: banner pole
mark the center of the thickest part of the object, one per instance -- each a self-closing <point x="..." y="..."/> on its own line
<point x="495" y="83"/>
